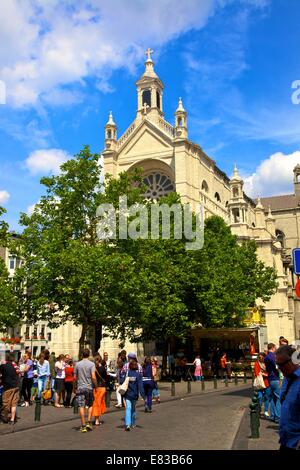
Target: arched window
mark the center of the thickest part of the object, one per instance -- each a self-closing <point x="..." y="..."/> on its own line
<point x="179" y="122"/>
<point x="158" y="184"/>
<point x="204" y="186"/>
<point x="217" y="197"/>
<point x="235" y="192"/>
<point x="226" y="204"/>
<point x="146" y="98"/>
<point x="109" y="134"/>
<point x="280" y="237"/>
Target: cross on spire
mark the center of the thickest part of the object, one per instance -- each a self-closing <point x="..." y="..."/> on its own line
<point x="148" y="53"/>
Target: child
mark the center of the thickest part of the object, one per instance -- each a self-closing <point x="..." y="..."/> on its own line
<point x="198" y="368"/>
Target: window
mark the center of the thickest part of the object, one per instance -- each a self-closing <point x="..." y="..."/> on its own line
<point x="146" y="97"/>
<point x="27" y="333"/>
<point x="34" y="334"/>
<point x="12" y="262"/>
<point x="158" y="185"/>
<point x="109" y="134"/>
<point x="217" y="197"/>
<point x="179" y="122"/>
<point x="235" y="192"/>
<point x="49" y="336"/>
<point x="42" y="331"/>
<point x="236" y="215"/>
<point x="280" y="237"/>
<point x="204" y="186"/>
<point x="158" y="99"/>
<point x="226" y="203"/>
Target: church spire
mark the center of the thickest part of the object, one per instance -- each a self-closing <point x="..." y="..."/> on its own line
<point x="149" y="90"/>
<point x="181" y="121"/>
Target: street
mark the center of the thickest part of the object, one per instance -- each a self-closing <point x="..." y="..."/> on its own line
<point x="202" y="422"/>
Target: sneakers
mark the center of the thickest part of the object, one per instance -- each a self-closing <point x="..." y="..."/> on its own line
<point x="266" y="413"/>
<point x="83" y="429"/>
<point x="127" y="428"/>
<point x="118" y="406"/>
<point x="88" y="427"/>
<point x="133" y="426"/>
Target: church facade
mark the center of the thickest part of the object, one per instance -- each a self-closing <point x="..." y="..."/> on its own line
<point x="170" y="161"/>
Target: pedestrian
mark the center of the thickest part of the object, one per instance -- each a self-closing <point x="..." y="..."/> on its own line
<point x="289" y="427"/>
<point x="27" y="379"/>
<point x="99" y="406"/>
<point x="198" y="368"/>
<point x="225" y="367"/>
<point x="120" y="365"/>
<point x="135" y="388"/>
<point x="69" y="382"/>
<point x="148" y="382"/>
<point x="84" y="382"/>
<point x="60" y="366"/>
<point x="125" y="368"/>
<point x="43" y="374"/>
<point x="9" y="373"/>
<point x="261" y="383"/>
<point x="273" y="377"/>
<point x="52" y="361"/>
<point x="156" y="378"/>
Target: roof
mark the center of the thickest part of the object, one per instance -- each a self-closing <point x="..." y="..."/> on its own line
<point x="288" y="201"/>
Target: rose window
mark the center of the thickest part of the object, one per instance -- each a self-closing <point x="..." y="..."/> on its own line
<point x="158" y="185"/>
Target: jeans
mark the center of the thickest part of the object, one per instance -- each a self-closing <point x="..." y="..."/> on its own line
<point x="148" y="387"/>
<point x="275" y="400"/>
<point x="130" y="413"/>
<point x="53" y="390"/>
<point x="42" y="382"/>
<point x="198" y="378"/>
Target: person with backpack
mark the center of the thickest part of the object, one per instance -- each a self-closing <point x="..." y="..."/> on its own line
<point x="134" y="389"/>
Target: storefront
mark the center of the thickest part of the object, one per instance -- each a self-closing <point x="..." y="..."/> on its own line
<point x="6" y="348"/>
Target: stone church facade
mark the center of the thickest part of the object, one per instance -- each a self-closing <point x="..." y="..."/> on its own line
<point x="172" y="162"/>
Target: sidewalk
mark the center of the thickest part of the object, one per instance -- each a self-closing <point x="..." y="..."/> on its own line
<point x="268" y="435"/>
<point x="51" y="415"/>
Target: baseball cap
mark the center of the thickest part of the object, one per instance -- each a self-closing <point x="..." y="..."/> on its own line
<point x="131" y="355"/>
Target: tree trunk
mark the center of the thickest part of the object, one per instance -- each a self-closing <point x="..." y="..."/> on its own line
<point x="97" y="337"/>
<point x="81" y="340"/>
<point x="165" y="356"/>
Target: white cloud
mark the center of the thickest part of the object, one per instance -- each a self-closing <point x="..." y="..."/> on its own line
<point x="46" y="161"/>
<point x="30" y="209"/>
<point x="56" y="44"/>
<point x="274" y="176"/>
<point x="4" y="196"/>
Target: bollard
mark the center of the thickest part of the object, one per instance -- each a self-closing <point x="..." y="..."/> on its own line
<point x="215" y="382"/>
<point x="226" y="381"/>
<point x="173" y="388"/>
<point x="255" y="400"/>
<point x="189" y="385"/>
<point x="236" y="379"/>
<point x="253" y="421"/>
<point x="203" y="385"/>
<point x="37" y="411"/>
<point x="75" y="405"/>
<point x="245" y="377"/>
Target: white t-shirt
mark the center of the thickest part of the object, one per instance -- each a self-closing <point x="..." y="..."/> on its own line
<point x="60" y="373"/>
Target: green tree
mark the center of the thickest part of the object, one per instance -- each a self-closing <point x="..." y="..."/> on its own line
<point x="227" y="277"/>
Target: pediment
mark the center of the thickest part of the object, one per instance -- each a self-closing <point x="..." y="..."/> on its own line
<point x="146" y="140"/>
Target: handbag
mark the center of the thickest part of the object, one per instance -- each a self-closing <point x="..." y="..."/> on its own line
<point x="47" y="394"/>
<point x="258" y="382"/>
<point x="124" y="386"/>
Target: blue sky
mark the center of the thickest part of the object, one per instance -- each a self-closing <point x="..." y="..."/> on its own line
<point x="66" y="64"/>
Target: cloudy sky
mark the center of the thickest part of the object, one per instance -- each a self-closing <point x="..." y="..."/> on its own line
<point x="64" y="65"/>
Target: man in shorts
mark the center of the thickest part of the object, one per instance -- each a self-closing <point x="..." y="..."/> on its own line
<point x="9" y="373"/>
<point x="84" y="380"/>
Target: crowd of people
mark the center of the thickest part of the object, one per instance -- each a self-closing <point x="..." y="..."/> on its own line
<point x="277" y="380"/>
<point x="59" y="381"/>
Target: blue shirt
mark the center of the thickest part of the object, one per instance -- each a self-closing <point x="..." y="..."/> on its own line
<point x="270" y="361"/>
<point x="289" y="430"/>
<point x="43" y="369"/>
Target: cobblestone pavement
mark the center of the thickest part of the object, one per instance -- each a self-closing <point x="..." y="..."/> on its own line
<point x="203" y="421"/>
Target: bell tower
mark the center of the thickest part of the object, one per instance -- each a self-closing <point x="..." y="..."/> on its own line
<point x="149" y="92"/>
<point x="181" y="121"/>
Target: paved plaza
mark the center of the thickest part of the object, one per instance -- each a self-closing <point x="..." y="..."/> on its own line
<point x="203" y="420"/>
